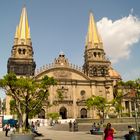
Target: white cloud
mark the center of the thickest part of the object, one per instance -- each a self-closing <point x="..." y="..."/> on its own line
<point x="119" y="36"/>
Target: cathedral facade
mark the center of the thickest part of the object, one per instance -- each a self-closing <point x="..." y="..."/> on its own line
<point x="75" y="84"/>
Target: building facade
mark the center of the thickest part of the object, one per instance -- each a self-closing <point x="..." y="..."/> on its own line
<point x="75" y="84"/>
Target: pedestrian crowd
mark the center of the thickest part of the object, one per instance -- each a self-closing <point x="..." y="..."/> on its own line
<point x="73" y="126"/>
<point x="33" y="127"/>
<point x="95" y="128"/>
<point x="109" y="131"/>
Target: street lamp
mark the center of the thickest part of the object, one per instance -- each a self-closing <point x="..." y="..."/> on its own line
<point x="137" y="96"/>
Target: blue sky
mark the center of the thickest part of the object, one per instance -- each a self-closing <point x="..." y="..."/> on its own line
<point x="61" y="25"/>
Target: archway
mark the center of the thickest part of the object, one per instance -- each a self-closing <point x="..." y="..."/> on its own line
<point x="83" y="113"/>
<point x="63" y="112"/>
<point x="42" y="114"/>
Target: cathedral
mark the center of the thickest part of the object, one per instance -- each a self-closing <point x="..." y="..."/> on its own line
<point x="75" y="83"/>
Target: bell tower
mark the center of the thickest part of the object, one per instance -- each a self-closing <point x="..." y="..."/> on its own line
<point x="21" y="61"/>
<point x="96" y="63"/>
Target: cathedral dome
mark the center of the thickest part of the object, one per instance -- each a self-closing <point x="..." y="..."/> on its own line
<point x="114" y="74"/>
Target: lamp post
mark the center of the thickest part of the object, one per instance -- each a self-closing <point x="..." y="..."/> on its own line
<point x="136" y="123"/>
<point x="106" y="92"/>
<point x="136" y="104"/>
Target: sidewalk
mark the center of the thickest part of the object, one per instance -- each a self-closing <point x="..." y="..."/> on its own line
<point x="50" y="134"/>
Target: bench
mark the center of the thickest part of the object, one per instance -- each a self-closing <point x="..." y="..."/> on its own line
<point x="97" y="133"/>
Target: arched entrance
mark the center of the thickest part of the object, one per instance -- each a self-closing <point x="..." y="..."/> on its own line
<point x="42" y="114"/>
<point x="63" y="112"/>
<point x="83" y="113"/>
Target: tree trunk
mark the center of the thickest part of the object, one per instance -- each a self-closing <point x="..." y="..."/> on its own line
<point x="103" y="117"/>
<point x="20" y="123"/>
<point x="26" y="120"/>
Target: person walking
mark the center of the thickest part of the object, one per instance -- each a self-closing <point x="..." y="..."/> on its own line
<point x="36" y="125"/>
<point x="70" y="125"/>
<point x="109" y="131"/>
<point x="75" y="126"/>
<point x="7" y="129"/>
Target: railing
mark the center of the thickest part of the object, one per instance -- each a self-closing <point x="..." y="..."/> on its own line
<point x="53" y="65"/>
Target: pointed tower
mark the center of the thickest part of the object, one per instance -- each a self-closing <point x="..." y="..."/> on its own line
<point x="21" y="61"/>
<point x="96" y="64"/>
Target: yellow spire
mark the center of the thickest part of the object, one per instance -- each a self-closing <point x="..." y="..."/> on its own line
<point x="23" y="29"/>
<point x="23" y="25"/>
<point x="93" y="36"/>
<point x="28" y="35"/>
<point x="16" y="33"/>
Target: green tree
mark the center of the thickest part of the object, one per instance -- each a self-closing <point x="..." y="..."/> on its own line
<point x="117" y="102"/>
<point x="13" y="107"/>
<point x="90" y="102"/>
<point x="3" y="107"/>
<point x="128" y="84"/>
<point x="27" y="94"/>
<point x="53" y="115"/>
<point x="119" y="92"/>
<point x="99" y="103"/>
<point x="60" y="95"/>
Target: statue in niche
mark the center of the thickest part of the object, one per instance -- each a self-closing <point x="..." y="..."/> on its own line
<point x="102" y="71"/>
<point x="62" y="93"/>
<point x="94" y="71"/>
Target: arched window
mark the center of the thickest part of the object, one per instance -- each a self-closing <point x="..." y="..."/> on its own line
<point x="19" y="51"/>
<point x="24" y="51"/>
<point x="95" y="54"/>
<point x="63" y="112"/>
<point x="83" y="113"/>
<point x="99" y="54"/>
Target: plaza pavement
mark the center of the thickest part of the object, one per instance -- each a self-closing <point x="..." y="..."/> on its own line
<point x="50" y="134"/>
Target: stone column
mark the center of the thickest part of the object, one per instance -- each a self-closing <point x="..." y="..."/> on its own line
<point x="51" y="91"/>
<point x="74" y="101"/>
<point x="130" y="108"/>
<point x="93" y="92"/>
<point x="135" y="109"/>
